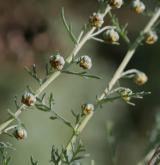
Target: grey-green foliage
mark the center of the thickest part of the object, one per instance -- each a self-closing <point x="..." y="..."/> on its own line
<point x="68" y="158"/>
<point x="33" y="162"/>
<point x="5" y="159"/>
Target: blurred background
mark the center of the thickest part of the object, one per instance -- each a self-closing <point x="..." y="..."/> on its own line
<point x="31" y="31"/>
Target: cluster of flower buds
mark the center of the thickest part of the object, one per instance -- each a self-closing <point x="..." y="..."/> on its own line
<point x="85" y="62"/>
<point x="57" y="62"/>
<point x="20" y="133"/>
<point x="140" y="78"/>
<point x="111" y="36"/>
<point x="96" y="20"/>
<point x="138" y="6"/>
<point x="87" y="109"/>
<point x="126" y="94"/>
<point x="28" y="99"/>
<point x="116" y="3"/>
<point x="151" y="37"/>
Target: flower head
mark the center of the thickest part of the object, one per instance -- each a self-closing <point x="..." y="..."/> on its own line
<point x="85" y="62"/>
<point x="116" y="3"/>
<point x="96" y="20"/>
<point x="20" y="133"/>
<point x="138" y="6"/>
<point x="151" y="38"/>
<point x="87" y="108"/>
<point x="126" y="94"/>
<point x="140" y="78"/>
<point x="111" y="36"/>
<point x="57" y="62"/>
<point x="28" y="99"/>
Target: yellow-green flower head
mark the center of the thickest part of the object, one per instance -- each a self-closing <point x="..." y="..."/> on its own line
<point x="57" y="62"/>
<point x="126" y="94"/>
<point x="151" y="37"/>
<point x="138" y="6"/>
<point x="111" y="36"/>
<point x="140" y="78"/>
<point x="85" y="62"/>
<point x="20" y="133"/>
<point x="28" y="99"/>
<point x="87" y="109"/>
<point x="96" y="20"/>
<point x="116" y="3"/>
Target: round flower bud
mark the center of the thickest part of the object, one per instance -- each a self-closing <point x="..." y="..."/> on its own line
<point x="28" y="99"/>
<point x="20" y="133"/>
<point x="85" y="62"/>
<point x="111" y="36"/>
<point x="138" y="6"/>
<point x="140" y="78"/>
<point x="96" y="20"/>
<point x="126" y="94"/>
<point x="87" y="108"/>
<point x="57" y="62"/>
<point x="116" y="3"/>
<point x="151" y="38"/>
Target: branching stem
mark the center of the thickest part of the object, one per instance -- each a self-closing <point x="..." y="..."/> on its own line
<point x="79" y="128"/>
<point x="56" y="74"/>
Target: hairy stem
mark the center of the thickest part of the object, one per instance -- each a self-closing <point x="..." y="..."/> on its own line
<point x="79" y="128"/>
<point x="56" y="74"/>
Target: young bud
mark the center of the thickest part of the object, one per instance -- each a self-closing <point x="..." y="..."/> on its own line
<point x="96" y="20"/>
<point x="85" y="62"/>
<point x="111" y="36"/>
<point x="126" y="94"/>
<point x="87" y="109"/>
<point x="151" y="38"/>
<point x="20" y="133"/>
<point x="57" y="62"/>
<point x="28" y="99"/>
<point x="140" y="78"/>
<point x="138" y="6"/>
<point x="116" y="3"/>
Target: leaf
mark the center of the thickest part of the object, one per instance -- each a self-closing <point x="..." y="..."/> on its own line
<point x="51" y="100"/>
<point x="42" y="107"/>
<point x="33" y="162"/>
<point x="82" y="74"/>
<point x="68" y="27"/>
<point x="55" y="156"/>
<point x="121" y="29"/>
<point x="33" y="73"/>
<point x="8" y="160"/>
<point x="53" y="117"/>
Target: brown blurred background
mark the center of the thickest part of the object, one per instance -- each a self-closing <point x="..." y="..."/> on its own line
<point x="30" y="31"/>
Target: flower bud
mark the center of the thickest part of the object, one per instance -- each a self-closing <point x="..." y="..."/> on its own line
<point x="85" y="62"/>
<point x="28" y="99"/>
<point x="57" y="62"/>
<point x="116" y="3"/>
<point x="140" y="78"/>
<point x="151" y="38"/>
<point x="87" y="109"/>
<point x="20" y="133"/>
<point x="96" y="20"/>
<point x="126" y="94"/>
<point x="138" y="6"/>
<point x="111" y="36"/>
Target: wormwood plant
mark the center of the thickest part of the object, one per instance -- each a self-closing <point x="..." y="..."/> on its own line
<point x="74" y="150"/>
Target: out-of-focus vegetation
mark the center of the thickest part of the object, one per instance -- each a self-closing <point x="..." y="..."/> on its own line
<point x="32" y="30"/>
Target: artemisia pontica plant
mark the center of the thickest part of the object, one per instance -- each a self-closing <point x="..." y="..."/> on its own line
<point x="95" y="29"/>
